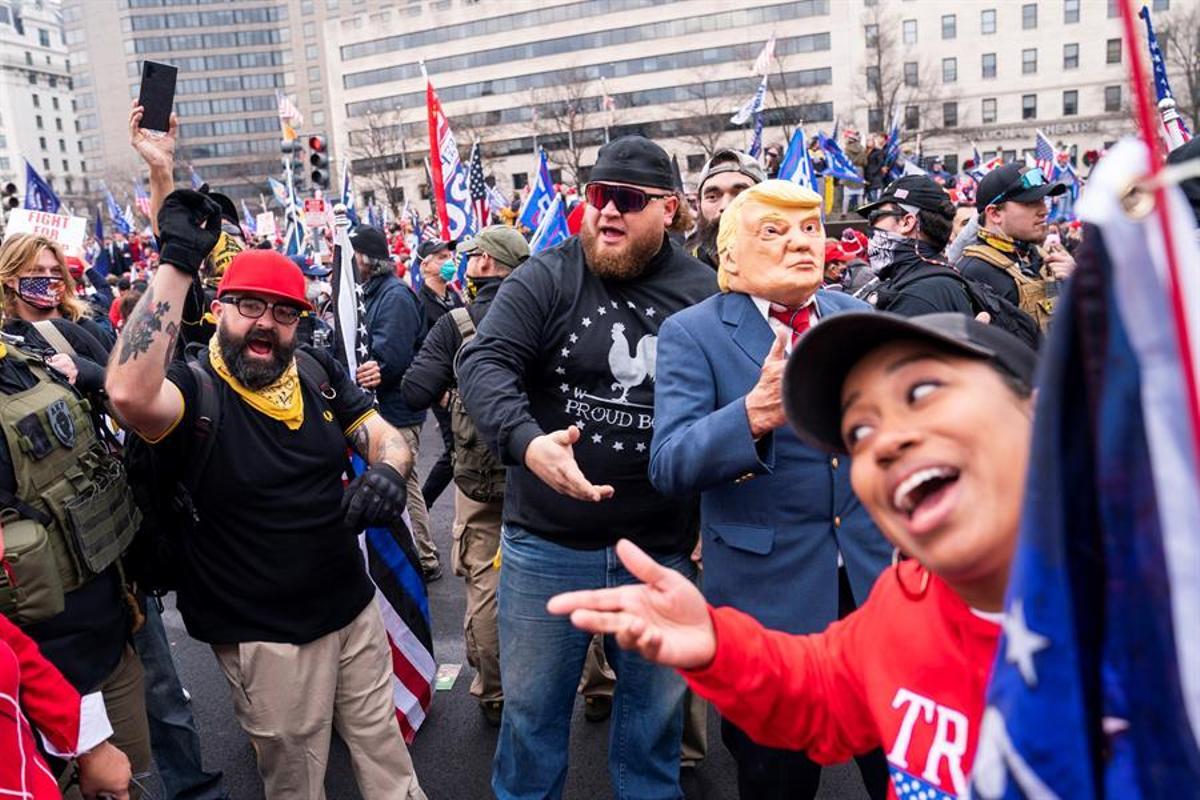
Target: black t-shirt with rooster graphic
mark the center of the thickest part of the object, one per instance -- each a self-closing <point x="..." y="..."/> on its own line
<point x="560" y="346"/>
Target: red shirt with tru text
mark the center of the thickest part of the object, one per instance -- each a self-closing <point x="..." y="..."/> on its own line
<point x="908" y="672"/>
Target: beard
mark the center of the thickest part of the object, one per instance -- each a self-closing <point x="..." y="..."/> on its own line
<point x="251" y="371"/>
<point x="623" y="264"/>
<point x="703" y="241"/>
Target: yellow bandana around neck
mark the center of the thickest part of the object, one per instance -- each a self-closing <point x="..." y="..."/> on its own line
<point x="997" y="240"/>
<point x="281" y="400"/>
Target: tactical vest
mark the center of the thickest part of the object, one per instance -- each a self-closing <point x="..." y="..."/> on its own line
<point x="477" y="473"/>
<point x="1034" y="300"/>
<point x="71" y="514"/>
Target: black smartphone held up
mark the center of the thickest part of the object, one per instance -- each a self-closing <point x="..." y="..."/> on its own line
<point x="157" y="95"/>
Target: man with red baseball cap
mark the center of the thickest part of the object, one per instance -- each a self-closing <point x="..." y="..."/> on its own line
<point x="271" y="574"/>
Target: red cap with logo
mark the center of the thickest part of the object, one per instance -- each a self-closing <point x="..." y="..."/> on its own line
<point x="264" y="272"/>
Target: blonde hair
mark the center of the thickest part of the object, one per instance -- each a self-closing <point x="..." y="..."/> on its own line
<point x="784" y="194"/>
<point x="19" y="251"/>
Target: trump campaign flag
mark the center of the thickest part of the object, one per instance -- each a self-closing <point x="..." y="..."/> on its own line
<point x="751" y="106"/>
<point x="120" y="224"/>
<point x="390" y="553"/>
<point x="541" y="196"/>
<point x="38" y="194"/>
<point x="838" y="163"/>
<point x="796" y="165"/>
<point x="1096" y="686"/>
<point x="553" y="229"/>
<point x="1175" y="130"/>
<point x="449" y="177"/>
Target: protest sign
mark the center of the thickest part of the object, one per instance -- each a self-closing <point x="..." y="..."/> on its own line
<point x="69" y="232"/>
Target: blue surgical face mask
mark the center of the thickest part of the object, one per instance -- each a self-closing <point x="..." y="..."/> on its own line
<point x="448" y="271"/>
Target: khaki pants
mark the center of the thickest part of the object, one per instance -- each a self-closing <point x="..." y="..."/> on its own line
<point x="125" y="702"/>
<point x="288" y="697"/>
<point x="476" y="541"/>
<point x="427" y="551"/>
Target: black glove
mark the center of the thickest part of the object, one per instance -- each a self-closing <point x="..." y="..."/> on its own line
<point x="189" y="225"/>
<point x="375" y="499"/>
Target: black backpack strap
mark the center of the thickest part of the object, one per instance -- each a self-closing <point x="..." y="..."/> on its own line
<point x="313" y="373"/>
<point x="972" y="295"/>
<point x="205" y="422"/>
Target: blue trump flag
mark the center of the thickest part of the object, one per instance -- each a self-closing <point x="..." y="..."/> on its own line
<point x="838" y="163"/>
<point x="38" y="194"/>
<point x="796" y="165"/>
<point x="541" y="196"/>
<point x="1096" y="686"/>
<point x="553" y="230"/>
<point x="115" y="213"/>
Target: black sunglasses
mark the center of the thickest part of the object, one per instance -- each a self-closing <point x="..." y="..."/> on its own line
<point x="882" y="213"/>
<point x="253" y="308"/>
<point x="625" y="198"/>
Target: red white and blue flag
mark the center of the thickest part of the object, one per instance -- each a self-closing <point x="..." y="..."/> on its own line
<point x="1175" y="130"/>
<point x="480" y="206"/>
<point x="141" y="199"/>
<point x="1099" y="623"/>
<point x="390" y="553"/>
<point x="450" y="193"/>
<point x="1043" y="153"/>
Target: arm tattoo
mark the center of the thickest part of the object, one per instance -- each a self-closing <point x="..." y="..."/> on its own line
<point x="146" y="320"/>
<point x="394" y="450"/>
<point x="360" y="440"/>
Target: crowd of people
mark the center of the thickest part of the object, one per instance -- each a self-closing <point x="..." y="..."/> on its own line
<point x="706" y="449"/>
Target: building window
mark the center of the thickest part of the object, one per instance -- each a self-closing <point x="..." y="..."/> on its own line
<point x="989" y="65"/>
<point x="43" y="37"/>
<point x="988" y="110"/>
<point x="29" y="58"/>
<point x="312" y="52"/>
<point x="1070" y="56"/>
<point x="949" y="26"/>
<point x="910" y="73"/>
<point x="1029" y="16"/>
<point x="1029" y="106"/>
<point x="1113" y="9"/>
<point x="1070" y="11"/>
<point x="314" y="96"/>
<point x="58" y="123"/>
<point x="1029" y="61"/>
<point x="909" y="31"/>
<point x="54" y="103"/>
<point x="33" y="79"/>
<point x="950" y="115"/>
<point x="1112" y="50"/>
<point x="1162" y="5"/>
<point x="1070" y="103"/>
<point x="872" y="79"/>
<point x="37" y="101"/>
<point x="912" y="118"/>
<point x="42" y="142"/>
<point x="62" y="145"/>
<point x="874" y="119"/>
<point x="949" y="70"/>
<point x="38" y="121"/>
<point x="46" y="164"/>
<point x="318" y="118"/>
<point x="310" y="30"/>
<point x="314" y="74"/>
<point x="1112" y="98"/>
<point x="306" y="7"/>
<point x="871" y="32"/>
<point x="987" y="20"/>
<point x="66" y="165"/>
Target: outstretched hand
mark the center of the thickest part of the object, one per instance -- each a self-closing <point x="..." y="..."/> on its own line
<point x="551" y="457"/>
<point x="664" y="617"/>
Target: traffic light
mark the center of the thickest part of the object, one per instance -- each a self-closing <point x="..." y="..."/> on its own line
<point x="293" y="149"/>
<point x="10" y="196"/>
<point x="319" y="159"/>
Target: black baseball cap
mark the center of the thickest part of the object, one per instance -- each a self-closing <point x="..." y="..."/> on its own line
<point x="430" y="246"/>
<point x="1017" y="183"/>
<point x="371" y="242"/>
<point x="818" y="366"/>
<point x="919" y="191"/>
<point x="635" y="160"/>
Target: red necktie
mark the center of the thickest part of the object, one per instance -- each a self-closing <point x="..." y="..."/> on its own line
<point x="798" y="319"/>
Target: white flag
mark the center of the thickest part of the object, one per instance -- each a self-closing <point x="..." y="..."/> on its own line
<point x="762" y="64"/>
<point x="751" y="106"/>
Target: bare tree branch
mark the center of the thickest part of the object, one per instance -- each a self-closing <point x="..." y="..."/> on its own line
<point x="377" y="150"/>
<point x="1180" y="41"/>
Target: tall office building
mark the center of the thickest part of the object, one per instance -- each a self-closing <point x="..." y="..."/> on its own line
<point x="565" y="74"/>
<point x="233" y="56"/>
<point x="37" y="113"/>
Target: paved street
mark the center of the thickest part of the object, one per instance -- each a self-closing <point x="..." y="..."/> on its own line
<point x="454" y="748"/>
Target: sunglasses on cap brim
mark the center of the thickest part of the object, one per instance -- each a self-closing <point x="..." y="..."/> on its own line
<point x="626" y="198"/>
<point x="1030" y="179"/>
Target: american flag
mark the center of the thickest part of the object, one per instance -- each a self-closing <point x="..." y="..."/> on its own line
<point x="1043" y="154"/>
<point x="1175" y="130"/>
<point x="141" y="200"/>
<point x="762" y="64"/>
<point x="288" y="111"/>
<point x="480" y="206"/>
<point x="390" y="553"/>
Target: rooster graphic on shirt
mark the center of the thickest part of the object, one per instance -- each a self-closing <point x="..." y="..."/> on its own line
<point x="630" y="368"/>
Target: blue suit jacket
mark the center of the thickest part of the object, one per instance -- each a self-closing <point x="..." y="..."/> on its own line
<point x="774" y="514"/>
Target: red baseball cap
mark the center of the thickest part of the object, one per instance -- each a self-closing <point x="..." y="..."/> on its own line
<point x="854" y="243"/>
<point x="265" y="272"/>
<point x="834" y="252"/>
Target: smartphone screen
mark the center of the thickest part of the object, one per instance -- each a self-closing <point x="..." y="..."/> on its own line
<point x="157" y="95"/>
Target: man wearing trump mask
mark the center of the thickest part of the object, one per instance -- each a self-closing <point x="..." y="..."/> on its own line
<point x="784" y="538"/>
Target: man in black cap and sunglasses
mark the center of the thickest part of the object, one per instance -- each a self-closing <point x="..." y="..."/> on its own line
<point x="1011" y="201"/>
<point x="560" y="382"/>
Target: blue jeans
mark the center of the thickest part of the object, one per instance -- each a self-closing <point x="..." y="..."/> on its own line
<point x="541" y="657"/>
<point x="174" y="742"/>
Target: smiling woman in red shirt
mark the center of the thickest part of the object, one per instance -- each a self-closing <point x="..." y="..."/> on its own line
<point x="936" y="413"/>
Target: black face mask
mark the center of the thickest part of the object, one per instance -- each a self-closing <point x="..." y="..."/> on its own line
<point x="475" y="284"/>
